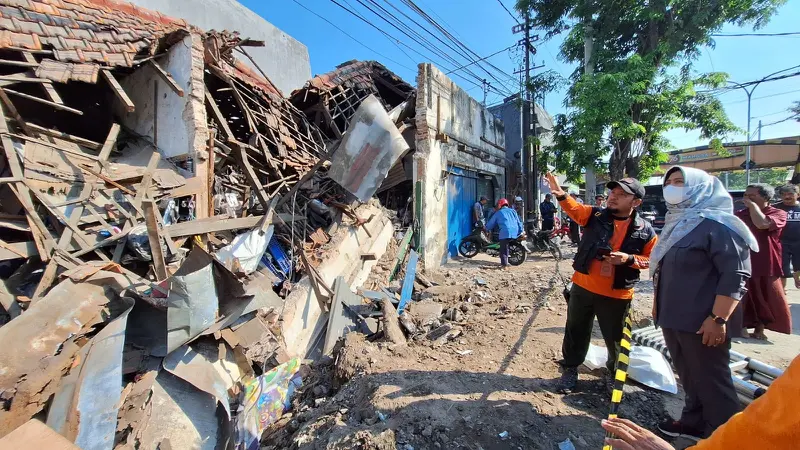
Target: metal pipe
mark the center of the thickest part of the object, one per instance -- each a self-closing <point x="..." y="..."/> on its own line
<point x="736" y="356"/>
<point x="747" y="388"/>
<point x="765" y="368"/>
<point x="744" y="399"/>
<point x="738" y="365"/>
<point x="763" y="379"/>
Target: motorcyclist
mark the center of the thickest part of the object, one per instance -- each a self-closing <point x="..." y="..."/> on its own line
<point x="510" y="228"/>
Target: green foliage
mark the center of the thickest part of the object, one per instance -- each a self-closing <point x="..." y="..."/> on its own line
<point x="632" y="99"/>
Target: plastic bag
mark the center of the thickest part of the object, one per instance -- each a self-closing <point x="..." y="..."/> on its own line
<point x="596" y="357"/>
<point x="649" y="367"/>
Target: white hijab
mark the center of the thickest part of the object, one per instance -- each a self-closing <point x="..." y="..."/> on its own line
<point x="706" y="198"/>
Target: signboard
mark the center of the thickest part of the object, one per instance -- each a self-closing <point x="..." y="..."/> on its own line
<point x="699" y="155"/>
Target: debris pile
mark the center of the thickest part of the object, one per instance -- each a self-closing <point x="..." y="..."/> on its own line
<point x="159" y="199"/>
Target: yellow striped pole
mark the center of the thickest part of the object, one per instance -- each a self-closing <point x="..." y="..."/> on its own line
<point x="620" y="372"/>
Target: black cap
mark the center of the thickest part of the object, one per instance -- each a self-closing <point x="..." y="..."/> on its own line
<point x="629" y="185"/>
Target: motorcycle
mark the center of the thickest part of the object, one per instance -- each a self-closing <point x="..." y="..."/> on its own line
<point x="543" y="241"/>
<point x="478" y="242"/>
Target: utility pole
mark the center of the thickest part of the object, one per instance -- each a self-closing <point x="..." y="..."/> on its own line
<point x="530" y="200"/>
<point x="588" y="69"/>
<point x="485" y="90"/>
<point x="759" y="130"/>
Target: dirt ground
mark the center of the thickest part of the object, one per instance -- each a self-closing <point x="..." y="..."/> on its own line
<point x="488" y="384"/>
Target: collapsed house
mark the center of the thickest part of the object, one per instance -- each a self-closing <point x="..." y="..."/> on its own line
<point x="174" y="230"/>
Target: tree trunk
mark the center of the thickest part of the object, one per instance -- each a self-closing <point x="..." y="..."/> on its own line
<point x="632" y="167"/>
<point x="616" y="166"/>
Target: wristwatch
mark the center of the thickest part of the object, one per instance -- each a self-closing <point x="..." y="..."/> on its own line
<point x="717" y="319"/>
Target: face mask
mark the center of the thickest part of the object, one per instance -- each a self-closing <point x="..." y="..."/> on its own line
<point x="674" y="194"/>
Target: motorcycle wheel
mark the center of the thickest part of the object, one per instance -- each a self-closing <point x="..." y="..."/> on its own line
<point x="516" y="253"/>
<point x="468" y="249"/>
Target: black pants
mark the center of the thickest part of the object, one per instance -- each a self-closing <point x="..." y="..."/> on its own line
<point x="574" y="232"/>
<point x="504" y="251"/>
<point x="582" y="309"/>
<point x="710" y="395"/>
<point x="548" y="225"/>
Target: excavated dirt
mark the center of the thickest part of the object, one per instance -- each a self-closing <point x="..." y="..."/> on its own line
<point x="490" y="387"/>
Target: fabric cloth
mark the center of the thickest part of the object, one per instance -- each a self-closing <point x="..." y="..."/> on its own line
<point x="770" y="422"/>
<point x="768" y="260"/>
<point x="706" y="198"/>
<point x="711" y="260"/>
<point x="710" y="397"/>
<point x="791" y="233"/>
<point x="600" y="279"/>
<point x="504" y="252"/>
<point x="583" y="307"/>
<point x="548" y="210"/>
<point x="508" y="221"/>
<point x="765" y="303"/>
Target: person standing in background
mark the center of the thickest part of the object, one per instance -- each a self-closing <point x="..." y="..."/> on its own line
<point x="478" y="216"/>
<point x="765" y="305"/>
<point x="519" y="206"/>
<point x="790" y="239"/>
<point x="548" y="211"/>
<point x="599" y="201"/>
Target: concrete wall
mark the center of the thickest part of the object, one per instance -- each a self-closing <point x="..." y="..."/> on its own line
<point x="181" y="121"/>
<point x="303" y="320"/>
<point x="453" y="129"/>
<point x="284" y="59"/>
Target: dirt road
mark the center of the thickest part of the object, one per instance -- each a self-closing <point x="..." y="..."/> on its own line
<point x="490" y="387"/>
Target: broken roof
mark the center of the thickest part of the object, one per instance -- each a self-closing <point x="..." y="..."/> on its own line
<point x="356" y="73"/>
<point x="105" y="32"/>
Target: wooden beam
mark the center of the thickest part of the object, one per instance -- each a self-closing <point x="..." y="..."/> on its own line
<point x="22" y="78"/>
<point x="14" y="113"/>
<point x="166" y="77"/>
<point x="251" y="176"/>
<point x="49" y="89"/>
<point x="54" y="146"/>
<point x="55" y="105"/>
<point x="9" y="62"/>
<point x="67" y="137"/>
<point x="218" y="117"/>
<point x="221" y="223"/>
<point x="14" y="250"/>
<point x="108" y="145"/>
<point x="108" y="180"/>
<point x="141" y="191"/>
<point x="154" y="237"/>
<point x="119" y="91"/>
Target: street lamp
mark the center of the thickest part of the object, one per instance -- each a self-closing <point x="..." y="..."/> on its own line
<point x="744" y="86"/>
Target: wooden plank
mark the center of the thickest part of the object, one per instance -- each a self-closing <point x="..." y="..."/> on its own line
<point x="408" y="281"/>
<point x="68" y="137"/>
<point x="154" y="236"/>
<point x="405" y="243"/>
<point x="218" y="117"/>
<point x="141" y="190"/>
<point x="166" y="77"/>
<point x="55" y="105"/>
<point x="51" y="271"/>
<point x="119" y="91"/>
<point x="108" y="180"/>
<point x="109" y="143"/>
<point x="14" y="250"/>
<point x="23" y="78"/>
<point x="49" y="89"/>
<point x="251" y="176"/>
<point x="221" y="223"/>
<point x="54" y="146"/>
<point x="14" y="113"/>
<point x="35" y="435"/>
<point x="9" y="62"/>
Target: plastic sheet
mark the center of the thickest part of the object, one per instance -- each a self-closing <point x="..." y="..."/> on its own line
<point x="264" y="401"/>
<point x="248" y="248"/>
<point x="647" y="366"/>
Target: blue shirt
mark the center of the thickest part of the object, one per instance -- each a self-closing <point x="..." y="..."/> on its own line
<point x="548" y="210"/>
<point x="508" y="221"/>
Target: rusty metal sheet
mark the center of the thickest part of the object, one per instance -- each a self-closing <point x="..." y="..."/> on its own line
<point x="370" y="147"/>
<point x="39" y="346"/>
<point x="85" y="408"/>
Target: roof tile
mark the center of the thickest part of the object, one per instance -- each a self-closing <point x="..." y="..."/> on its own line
<point x="10" y="11"/>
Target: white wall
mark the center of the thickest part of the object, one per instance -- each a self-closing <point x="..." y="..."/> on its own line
<point x="452" y="129"/>
<point x="284" y="59"/>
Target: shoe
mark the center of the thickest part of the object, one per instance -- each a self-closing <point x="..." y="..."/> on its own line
<point x="673" y="428"/>
<point x="568" y="381"/>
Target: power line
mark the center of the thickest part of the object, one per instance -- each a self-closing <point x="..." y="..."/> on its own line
<point x="398" y="42"/>
<point x="791" y="33"/>
<point x="485" y="57"/>
<point x="765" y="96"/>
<point x="509" y="12"/>
<point x="353" y="38"/>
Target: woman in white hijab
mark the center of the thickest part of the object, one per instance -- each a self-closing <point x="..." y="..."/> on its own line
<point x="700" y="267"/>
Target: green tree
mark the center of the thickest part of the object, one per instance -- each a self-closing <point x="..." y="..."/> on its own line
<point x="636" y="92"/>
<point x="737" y="180"/>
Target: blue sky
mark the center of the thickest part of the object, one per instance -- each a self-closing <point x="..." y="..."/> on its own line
<point x="485" y="27"/>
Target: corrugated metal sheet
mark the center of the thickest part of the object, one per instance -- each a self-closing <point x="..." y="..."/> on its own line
<point x="462" y="193"/>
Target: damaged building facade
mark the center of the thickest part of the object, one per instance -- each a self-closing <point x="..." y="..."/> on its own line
<point x="189" y="232"/>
